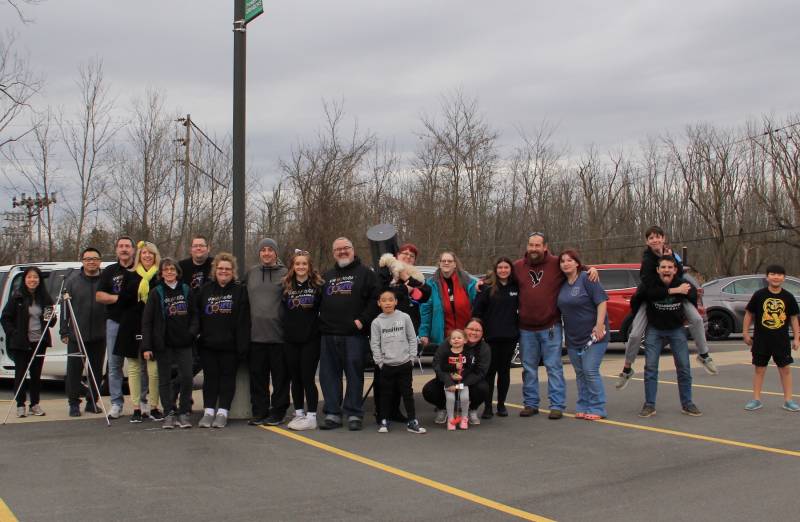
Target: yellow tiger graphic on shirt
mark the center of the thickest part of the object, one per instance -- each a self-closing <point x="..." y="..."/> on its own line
<point x="774" y="315"/>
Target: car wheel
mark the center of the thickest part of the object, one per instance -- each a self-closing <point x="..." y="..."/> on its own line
<point x="720" y="326"/>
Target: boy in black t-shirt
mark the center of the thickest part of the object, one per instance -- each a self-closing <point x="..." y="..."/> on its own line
<point x="772" y="307"/>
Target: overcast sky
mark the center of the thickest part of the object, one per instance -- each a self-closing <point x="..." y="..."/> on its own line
<point x="608" y="73"/>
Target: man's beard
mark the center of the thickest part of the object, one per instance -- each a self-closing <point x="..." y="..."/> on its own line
<point x="343" y="262"/>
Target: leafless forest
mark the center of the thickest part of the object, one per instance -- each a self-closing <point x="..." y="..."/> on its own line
<point x="731" y="196"/>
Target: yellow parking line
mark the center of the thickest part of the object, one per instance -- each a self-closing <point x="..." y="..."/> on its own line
<point x="683" y="434"/>
<point x="5" y="513"/>
<point x="709" y="387"/>
<point x="411" y="476"/>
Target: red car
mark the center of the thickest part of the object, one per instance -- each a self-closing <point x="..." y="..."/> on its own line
<point x="620" y="282"/>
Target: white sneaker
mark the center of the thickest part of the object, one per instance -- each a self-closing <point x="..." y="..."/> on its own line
<point x="294" y="422"/>
<point x="115" y="412"/>
<point x="473" y="417"/>
<point x="441" y="416"/>
<point x="303" y="423"/>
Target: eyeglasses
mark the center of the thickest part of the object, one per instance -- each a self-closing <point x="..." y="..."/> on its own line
<point x="199" y="245"/>
<point x="343" y="249"/>
<point x="221" y="269"/>
<point x="447" y="261"/>
<point x="91" y="259"/>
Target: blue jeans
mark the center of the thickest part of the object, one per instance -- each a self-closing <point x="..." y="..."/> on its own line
<point x="591" y="393"/>
<point x="653" y="342"/>
<point x="115" y="363"/>
<point x="342" y="353"/>
<point x="542" y="344"/>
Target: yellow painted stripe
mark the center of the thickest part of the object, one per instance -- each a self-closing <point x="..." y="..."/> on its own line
<point x="411" y="476"/>
<point x="709" y="387"/>
<point x="683" y="434"/>
<point x="5" y="513"/>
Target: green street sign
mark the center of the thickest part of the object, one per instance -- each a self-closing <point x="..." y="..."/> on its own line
<point x="252" y="9"/>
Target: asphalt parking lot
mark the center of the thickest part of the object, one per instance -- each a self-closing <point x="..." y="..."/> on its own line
<point x="726" y="465"/>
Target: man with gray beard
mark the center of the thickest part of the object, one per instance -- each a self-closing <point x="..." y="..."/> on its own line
<point x="349" y="304"/>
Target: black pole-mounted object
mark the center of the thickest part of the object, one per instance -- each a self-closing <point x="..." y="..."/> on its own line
<point x="382" y="239"/>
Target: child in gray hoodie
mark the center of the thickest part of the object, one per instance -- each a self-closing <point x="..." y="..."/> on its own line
<point x="394" y="346"/>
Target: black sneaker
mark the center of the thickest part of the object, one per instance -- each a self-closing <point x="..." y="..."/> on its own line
<point x="502" y="411"/>
<point x="156" y="415"/>
<point x="257" y="421"/>
<point x="691" y="410"/>
<point x="329" y="423"/>
<point x="75" y="410"/>
<point x="487" y="413"/>
<point x="93" y="407"/>
<point x="414" y="427"/>
<point x="355" y="424"/>
<point x="273" y="420"/>
<point x="648" y="410"/>
<point x="136" y="417"/>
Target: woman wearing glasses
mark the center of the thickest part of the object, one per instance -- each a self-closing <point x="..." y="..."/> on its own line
<point x="583" y="312"/>
<point x="221" y="323"/>
<point x="450" y="305"/>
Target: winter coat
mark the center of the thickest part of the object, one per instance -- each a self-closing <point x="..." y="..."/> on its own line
<point x="89" y="314"/>
<point x="129" y="336"/>
<point x="479" y="357"/>
<point x="15" y="319"/>
<point x="432" y="312"/>
<point x="404" y="301"/>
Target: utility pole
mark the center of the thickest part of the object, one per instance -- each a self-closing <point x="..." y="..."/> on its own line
<point x="239" y="93"/>
<point x="32" y="208"/>
<point x="183" y="240"/>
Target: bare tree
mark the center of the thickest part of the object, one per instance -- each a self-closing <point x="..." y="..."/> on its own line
<point x="34" y="164"/>
<point x="17" y="86"/>
<point x="324" y="177"/>
<point x="465" y="146"/>
<point x="88" y="139"/>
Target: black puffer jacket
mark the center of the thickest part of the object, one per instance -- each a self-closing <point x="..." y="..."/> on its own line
<point x="15" y="319"/>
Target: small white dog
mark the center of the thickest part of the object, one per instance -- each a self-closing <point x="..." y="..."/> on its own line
<point x="397" y="267"/>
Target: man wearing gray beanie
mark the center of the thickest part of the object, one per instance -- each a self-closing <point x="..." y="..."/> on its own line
<point x="265" y="288"/>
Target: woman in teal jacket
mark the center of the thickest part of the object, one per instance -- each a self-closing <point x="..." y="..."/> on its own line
<point x="450" y="306"/>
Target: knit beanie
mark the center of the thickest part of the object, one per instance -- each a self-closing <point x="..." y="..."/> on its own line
<point x="267" y="242"/>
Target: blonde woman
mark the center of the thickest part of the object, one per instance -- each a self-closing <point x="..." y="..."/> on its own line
<point x="142" y="371"/>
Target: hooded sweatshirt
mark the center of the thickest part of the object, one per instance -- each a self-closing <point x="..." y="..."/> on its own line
<point x="350" y="293"/>
<point x="539" y="285"/>
<point x="265" y="290"/>
<point x="222" y="317"/>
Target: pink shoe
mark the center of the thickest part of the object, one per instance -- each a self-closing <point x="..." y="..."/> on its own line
<point x="451" y="424"/>
<point x="464" y="424"/>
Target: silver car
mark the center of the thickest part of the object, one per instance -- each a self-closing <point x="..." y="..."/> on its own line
<point x="726" y="298"/>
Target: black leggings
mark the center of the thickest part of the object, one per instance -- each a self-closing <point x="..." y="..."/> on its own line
<point x="219" y="377"/>
<point x="397" y="380"/>
<point x="21" y="360"/>
<point x="303" y="359"/>
<point x="502" y="352"/>
<point x="182" y="358"/>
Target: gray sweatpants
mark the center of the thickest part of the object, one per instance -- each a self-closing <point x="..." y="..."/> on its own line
<point x="639" y="326"/>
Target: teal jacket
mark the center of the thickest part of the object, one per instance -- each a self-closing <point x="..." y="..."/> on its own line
<point x="432" y="313"/>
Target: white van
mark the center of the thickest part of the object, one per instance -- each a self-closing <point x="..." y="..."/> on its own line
<point x="55" y="364"/>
